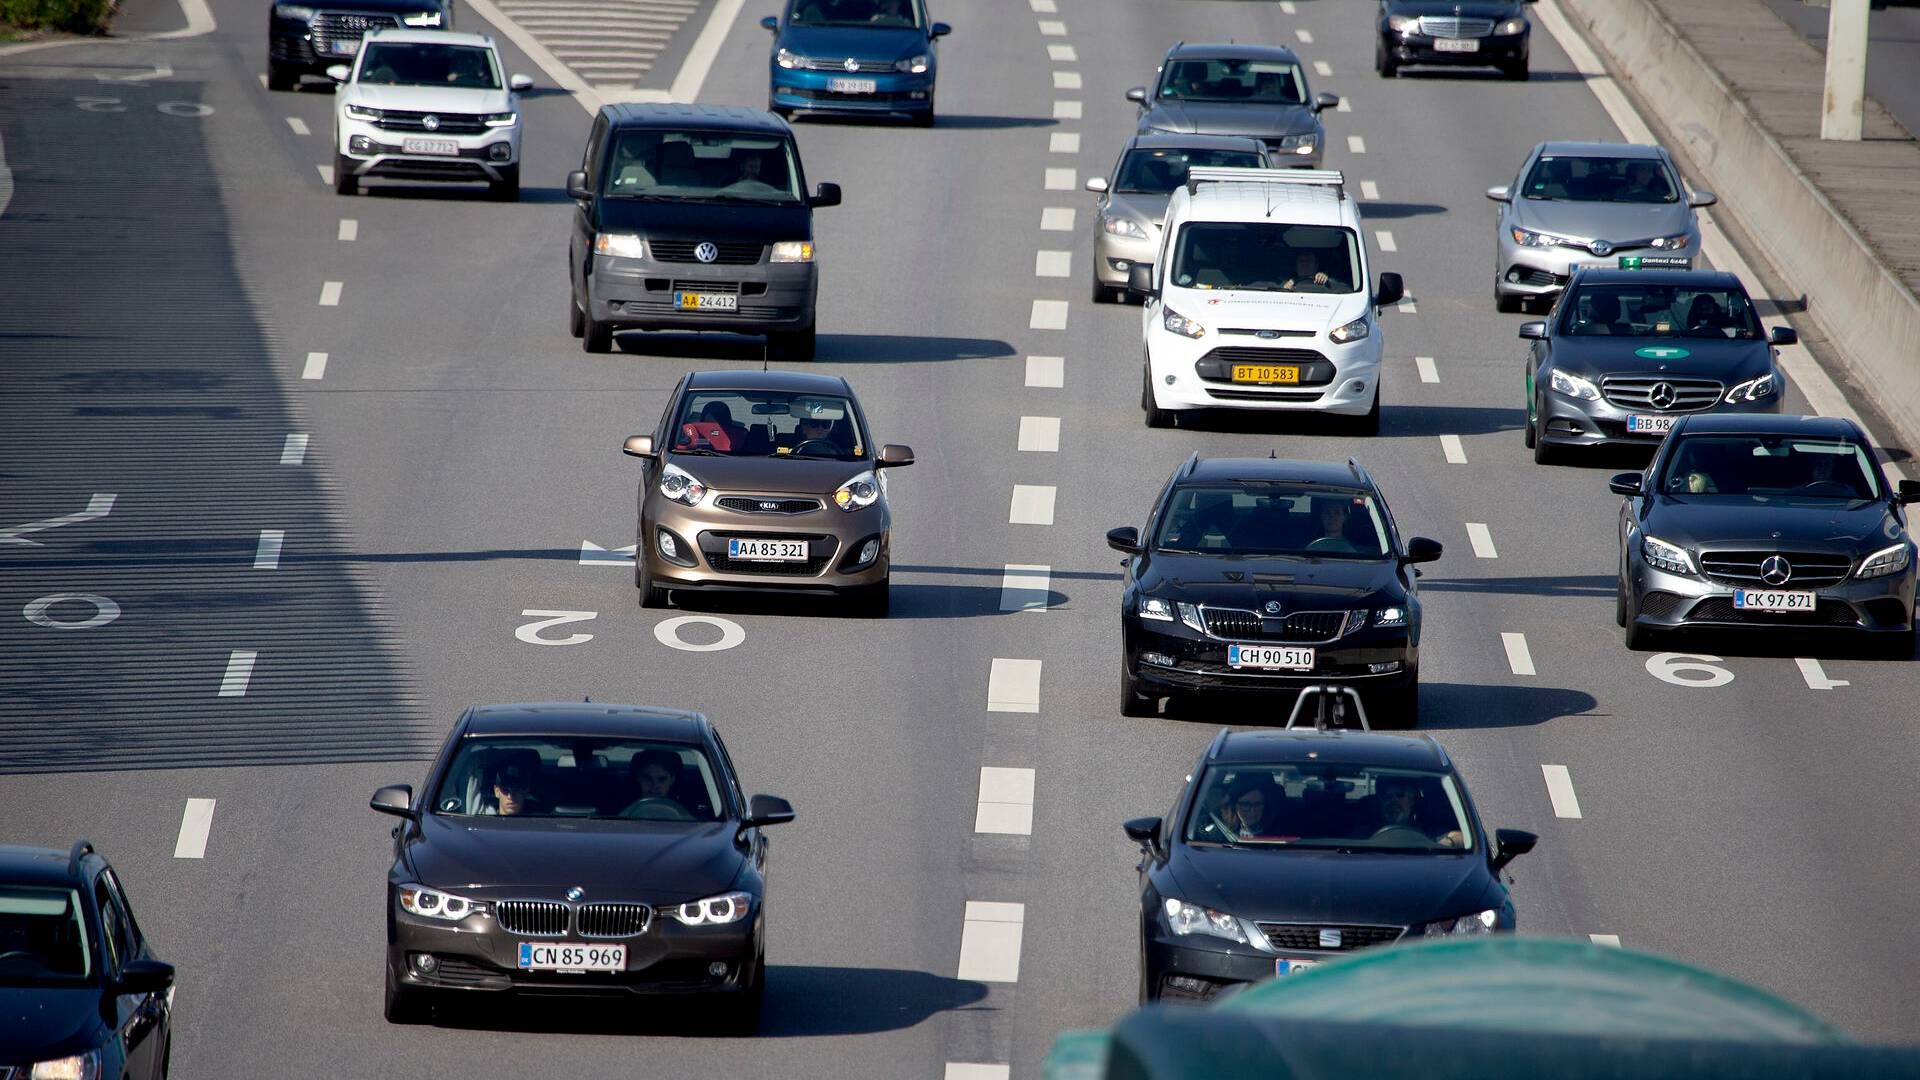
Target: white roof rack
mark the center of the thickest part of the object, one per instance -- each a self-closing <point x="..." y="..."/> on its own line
<point x="1200" y="174"/>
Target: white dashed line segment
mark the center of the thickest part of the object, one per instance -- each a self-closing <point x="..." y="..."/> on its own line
<point x="1013" y="686"/>
<point x="1356" y="144"/>
<point x="1062" y="54"/>
<point x="294" y="450"/>
<point x="267" y="555"/>
<point x="316" y="366"/>
<point x="239" y="672"/>
<point x="1482" y="540"/>
<point x="1047" y="371"/>
<point x="1611" y="941"/>
<point x="1043" y="7"/>
<point x="330" y="294"/>
<point x="1369" y="190"/>
<point x="1066" y="110"/>
<point x="1006" y="802"/>
<point x="1560" y="790"/>
<point x="1322" y="68"/>
<point x="1053" y="28"/>
<point x="1063" y="142"/>
<point x="1424" y="365"/>
<point x="1450" y="446"/>
<point x="1048" y="315"/>
<point x="1032" y="505"/>
<point x="298" y="125"/>
<point x="349" y="229"/>
<point x="990" y="942"/>
<point x="1040" y="434"/>
<point x="1060" y="180"/>
<point x="196" y="823"/>
<point x="960" y="1070"/>
<point x="326" y="174"/>
<point x="1066" y="80"/>
<point x="1052" y="263"/>
<point x="1305" y="36"/>
<point x="1346" y="104"/>
<point x="1385" y="239"/>
<point x="1287" y="8"/>
<point x="1057" y="219"/>
<point x="1024" y="588"/>
<point x="1519" y="658"/>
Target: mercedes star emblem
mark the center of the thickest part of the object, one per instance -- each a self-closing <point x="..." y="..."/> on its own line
<point x="851" y="64"/>
<point x="1273" y="607"/>
<point x="430" y="122"/>
<point x="1776" y="570"/>
<point x="1663" y="395"/>
<point x="1600" y="247"/>
<point x="705" y="251"/>
<point x="576" y="893"/>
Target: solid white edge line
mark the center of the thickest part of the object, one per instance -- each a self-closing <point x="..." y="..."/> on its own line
<point x="693" y="71"/>
<point x="196" y="823"/>
<point x="233" y="683"/>
<point x="6" y="180"/>
<point x="1428" y="372"/>
<point x="562" y="75"/>
<point x="1519" y="657"/>
<point x="1560" y="790"/>
<point x="1481" y="538"/>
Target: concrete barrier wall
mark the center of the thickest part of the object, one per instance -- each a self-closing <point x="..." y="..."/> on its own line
<point x="1866" y="312"/>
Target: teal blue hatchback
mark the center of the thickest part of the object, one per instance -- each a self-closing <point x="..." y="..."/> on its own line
<point x="875" y="57"/>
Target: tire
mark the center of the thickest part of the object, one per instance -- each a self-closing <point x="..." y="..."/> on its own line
<point x="344" y="182"/>
<point x="279" y="79"/>
<point x="576" y="318"/>
<point x="1368" y="423"/>
<point x="1638" y="638"/>
<point x="651" y="595"/>
<point x="1386" y="68"/>
<point x="1898" y="647"/>
<point x="923" y="120"/>
<point x="1620" y="602"/>
<point x="1132" y="701"/>
<point x="1157" y="417"/>
<point x="595" y="336"/>
<point x="743" y="1020"/>
<point x="792" y="346"/>
<point x="874" y="601"/>
<point x="1531" y="436"/>
<point x="1508" y="305"/>
<point x="507" y="188"/>
<point x="404" y="1006"/>
<point x="1104" y="295"/>
<point x="1543" y="453"/>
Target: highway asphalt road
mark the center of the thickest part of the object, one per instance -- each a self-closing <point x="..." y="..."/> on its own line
<point x="432" y="451"/>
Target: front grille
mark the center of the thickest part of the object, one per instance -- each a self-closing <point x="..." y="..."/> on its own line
<point x="1450" y="26"/>
<point x="1266" y="395"/>
<point x="535" y="918"/>
<point x="452" y="168"/>
<point x="1636" y="392"/>
<point x="717" y="288"/>
<point x="744" y="313"/>
<point x="1297" y="626"/>
<point x="332" y="30"/>
<point x="1529" y="275"/>
<point x="749" y="504"/>
<point x="1295" y="937"/>
<point x="1241" y="354"/>
<point x="882" y="98"/>
<point x="821" y="549"/>
<point x="444" y="123"/>
<point x="1809" y="571"/>
<point x="1248" y="331"/>
<point x="614" y="920"/>
<point x="681" y="251"/>
<point x="293" y="50"/>
<point x="821" y="63"/>
<point x="1720" y="609"/>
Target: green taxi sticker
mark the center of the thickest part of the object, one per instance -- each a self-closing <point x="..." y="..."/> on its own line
<point x="1662" y="352"/>
<point x="1653" y="262"/>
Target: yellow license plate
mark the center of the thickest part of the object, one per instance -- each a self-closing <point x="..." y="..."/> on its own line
<point x="1266" y="373"/>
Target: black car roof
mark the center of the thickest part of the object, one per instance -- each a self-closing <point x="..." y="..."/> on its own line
<point x="805" y="382"/>
<point x="1331" y="747"/>
<point x="1676" y="278"/>
<point x="1309" y="472"/>
<point x="1773" y="424"/>
<point x="630" y="115"/>
<point x="586" y="718"/>
<point x="1231" y="51"/>
<point x="20" y="865"/>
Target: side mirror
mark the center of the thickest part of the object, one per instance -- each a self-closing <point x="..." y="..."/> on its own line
<point x="520" y="82"/>
<point x="1510" y="844"/>
<point x="767" y="810"/>
<point x="939" y="30"/>
<point x="1626" y="483"/>
<point x="1783" y="335"/>
<point x="1391" y="290"/>
<point x="893" y="456"/>
<point x="1097" y="184"/>
<point x="771" y="24"/>
<point x="1908" y="492"/>
<point x="1137" y="95"/>
<point x="1702" y="198"/>
<point x="1125" y="539"/>
<point x="145" y="977"/>
<point x="339" y="72"/>
<point x="825" y="195"/>
<point x="395" y="799"/>
<point x="1534" y="330"/>
<point x="1140" y="279"/>
<point x="1423" y="549"/>
<point x="1500" y="193"/>
<point x="577" y="185"/>
<point x="1143" y="830"/>
<point x="638" y="446"/>
<point x="1324" y="100"/>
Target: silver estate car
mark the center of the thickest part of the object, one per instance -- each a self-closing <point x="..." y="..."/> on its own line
<point x="1133" y="199"/>
<point x="1590" y="204"/>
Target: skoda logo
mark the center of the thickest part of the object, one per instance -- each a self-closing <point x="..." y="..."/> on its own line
<point x="1273" y="607"/>
<point x="1599" y="247"/>
<point x="430" y="122"/>
<point x="705" y="251"/>
<point x="1329" y="938"/>
<point x="1662" y="396"/>
<point x="1267" y="335"/>
<point x="851" y="64"/>
<point x="1776" y="570"/>
<point x="576" y="893"/>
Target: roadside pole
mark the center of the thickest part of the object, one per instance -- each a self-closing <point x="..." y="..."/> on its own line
<point x="1842" y="106"/>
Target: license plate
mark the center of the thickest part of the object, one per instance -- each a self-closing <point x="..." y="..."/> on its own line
<point x="852" y="86"/>
<point x="1774" y="600"/>
<point x="768" y="550"/>
<point x="1290" y="657"/>
<point x="544" y="956"/>
<point x="1456" y="45"/>
<point x="1284" y="966"/>
<point x="1266" y="373"/>
<point x="446" y="147"/>
<point x="703" y="301"/>
<point x="1650" y="425"/>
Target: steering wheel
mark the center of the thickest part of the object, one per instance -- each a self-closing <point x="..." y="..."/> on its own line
<point x="22" y="954"/>
<point x="1330" y="543"/>
<point x="668" y="810"/>
<point x="819" y="446"/>
<point x="1403" y="836"/>
<point x="1828" y="487"/>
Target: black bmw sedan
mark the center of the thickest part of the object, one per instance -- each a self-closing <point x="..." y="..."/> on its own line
<point x="578" y="848"/>
<point x="1268" y="574"/>
<point x="1291" y="848"/>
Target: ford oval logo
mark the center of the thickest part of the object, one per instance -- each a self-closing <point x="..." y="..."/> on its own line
<point x="705" y="251"/>
<point x="1267" y="335"/>
<point x="430" y="122"/>
<point x="576" y="893"/>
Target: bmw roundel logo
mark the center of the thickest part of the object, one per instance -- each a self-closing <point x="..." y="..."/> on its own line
<point x="1273" y="607"/>
<point x="1600" y="247"/>
<point x="430" y="122"/>
<point x="576" y="893"/>
<point x="705" y="251"/>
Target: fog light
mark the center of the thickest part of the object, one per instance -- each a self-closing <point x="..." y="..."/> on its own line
<point x="1356" y="386"/>
<point x="424" y="963"/>
<point x="500" y="151"/>
<point x="1122" y="264"/>
<point x="1514" y="274"/>
<point x="667" y="545"/>
<point x="717" y="969"/>
<point x="1383" y="669"/>
<point x="869" y="551"/>
<point x="360" y="144"/>
<point x="1157" y="659"/>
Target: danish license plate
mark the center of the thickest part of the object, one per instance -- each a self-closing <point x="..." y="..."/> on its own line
<point x="543" y="956"/>
<point x="1775" y="599"/>
<point x="1456" y="45"/>
<point x="767" y="550"/>
<point x="1284" y="966"/>
<point x="1649" y="425"/>
<point x="852" y="86"/>
<point x="705" y="301"/>
<point x="443" y="147"/>
<point x="1270" y="657"/>
<point x="1266" y="373"/>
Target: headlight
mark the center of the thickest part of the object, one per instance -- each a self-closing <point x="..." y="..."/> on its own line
<point x="623" y="245"/>
<point x="858" y="493"/>
<point x="1480" y="922"/>
<point x="1182" y="325"/>
<point x="423" y="18"/>
<point x="1297" y="144"/>
<point x="1751" y="390"/>
<point x="1123" y="226"/>
<point x="916" y="64"/>
<point x="679" y="485"/>
<point x="1528" y="238"/>
<point x="292" y="11"/>
<point x="362" y="112"/>
<point x="1184" y="918"/>
<point x="1511" y="26"/>
<point x="787" y="58"/>
<point x="792" y="251"/>
<point x="1352" y="331"/>
<point x="1574" y="386"/>
<point x="1190" y="615"/>
<point x="1672" y="243"/>
<point x="1665" y="556"/>
<point x="1390" y="616"/>
<point x="78" y="1067"/>
<point x="1402" y="23"/>
<point x="1885" y="561"/>
<point x="1151" y="607"/>
<point x="714" y="910"/>
<point x="501" y="119"/>
<point x="434" y="904"/>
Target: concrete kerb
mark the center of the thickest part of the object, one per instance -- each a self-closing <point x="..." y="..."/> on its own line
<point x="199" y="21"/>
<point x="1866" y="311"/>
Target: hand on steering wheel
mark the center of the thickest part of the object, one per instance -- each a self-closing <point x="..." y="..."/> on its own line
<point x="1404" y="835"/>
<point x="656" y="808"/>
<point x="819" y="446"/>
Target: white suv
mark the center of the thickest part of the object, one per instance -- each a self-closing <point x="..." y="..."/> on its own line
<point x="1258" y="299"/>
<point x="427" y="105"/>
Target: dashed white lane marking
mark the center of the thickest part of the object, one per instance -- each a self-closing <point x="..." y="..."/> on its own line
<point x="990" y="942"/>
<point x="1305" y="36"/>
<point x="1611" y="941"/>
<point x="196" y="822"/>
<point x="1369" y="190"/>
<point x="1052" y="263"/>
<point x="1816" y="676"/>
<point x="1063" y="54"/>
<point x="1407" y="307"/>
<point x="1560" y="790"/>
<point x="316" y="366"/>
<point x="961" y="1070"/>
<point x="1482" y="540"/>
<point x="1043" y="7"/>
<point x="1053" y="28"/>
<point x="267" y="555"/>
<point x="1356" y="144"/>
<point x="294" y="450"/>
<point x="1346" y="104"/>
<point x="1013" y="686"/>
<point x="1006" y="802"/>
<point x="1040" y="434"/>
<point x="326" y="174"/>
<point x="1424" y="365"/>
<point x="239" y="673"/>
<point x="1287" y="8"/>
<point x="1066" y="110"/>
<point x="1048" y="315"/>
<point x="1322" y="68"/>
<point x="1032" y="505"/>
<point x="1064" y="142"/>
<point x="1450" y="446"/>
<point x="1060" y="180"/>
<point x="1519" y="657"/>
<point x="1385" y="239"/>
<point x="349" y="229"/>
<point x="1057" y="219"/>
<point x="1066" y="80"/>
<point x="330" y="294"/>
<point x="298" y="125"/>
<point x="1047" y="371"/>
<point x="1024" y="588"/>
<point x="263" y="80"/>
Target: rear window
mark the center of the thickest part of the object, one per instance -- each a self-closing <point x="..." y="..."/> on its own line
<point x="43" y="937"/>
<point x="580" y="777"/>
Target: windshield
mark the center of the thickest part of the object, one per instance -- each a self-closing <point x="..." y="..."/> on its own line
<point x="1266" y="257"/>
<point x="853" y="13"/>
<point x="767" y="423"/>
<point x="43" y="937"/>
<point x="717" y="165"/>
<point x="1158" y="172"/>
<point x="1600" y="179"/>
<point x="1346" y="807"/>
<point x="398" y="63"/>
<point x="1243" y="82"/>
<point x="559" y="776"/>
<point x="1659" y="310"/>
<point x="1771" y="469"/>
<point x="1272" y="519"/>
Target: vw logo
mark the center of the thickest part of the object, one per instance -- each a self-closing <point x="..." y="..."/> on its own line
<point x="1776" y="570"/>
<point x="430" y="122"/>
<point x="576" y="893"/>
<point x="1273" y="607"/>
<point x="705" y="251"/>
<point x="1329" y="938"/>
<point x="1662" y="396"/>
<point x="1267" y="335"/>
<point x="851" y="64"/>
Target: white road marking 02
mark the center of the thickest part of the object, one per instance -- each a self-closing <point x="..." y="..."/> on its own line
<point x="1013" y="686"/>
<point x="1816" y="676"/>
<point x="1062" y="54"/>
<point x="294" y="450"/>
<point x="1060" y="179"/>
<point x="1048" y="315"/>
<point x="1560" y="790"/>
<point x="1385" y="239"/>
<point x="1424" y="365"/>
<point x="1024" y="588"/>
<point x="1057" y="219"/>
<point x="1053" y="28"/>
<point x="668" y="633"/>
<point x="1611" y="941"/>
<point x="1356" y="144"/>
<point x="98" y="506"/>
<point x="330" y="294"/>
<point x="1482" y="540"/>
<point x="196" y="822"/>
<point x="1519" y="657"/>
<point x="530" y="632"/>
<point x="1032" y="505"/>
<point x="1066" y="80"/>
<point x="104" y="611"/>
<point x="1455" y="452"/>
<point x="1667" y="667"/>
<point x="1040" y="433"/>
<point x="1006" y="802"/>
<point x="990" y="942"/>
<point x="965" y="1070"/>
<point x="267" y="555"/>
<point x="1369" y="190"/>
<point x="1047" y="371"/>
<point x="1063" y="142"/>
<point x="1322" y="68"/>
<point x="316" y="366"/>
<point x="1052" y="263"/>
<point x="239" y="673"/>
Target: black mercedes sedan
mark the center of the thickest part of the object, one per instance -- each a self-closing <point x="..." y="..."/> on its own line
<point x="1259" y="91"/>
<point x="1781" y="523"/>
<point x="1455" y="33"/>
<point x="578" y="848"/>
<point x="1290" y="848"/>
<point x="1269" y="574"/>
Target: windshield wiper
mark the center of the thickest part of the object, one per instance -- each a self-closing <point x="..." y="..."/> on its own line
<point x="756" y="200"/>
<point x="643" y="196"/>
<point x="699" y="451"/>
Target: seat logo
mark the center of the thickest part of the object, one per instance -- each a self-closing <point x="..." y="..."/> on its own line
<point x="1273" y="607"/>
<point x="705" y="251"/>
<point x="1600" y="247"/>
<point x="1329" y="938"/>
<point x="851" y="64"/>
<point x="1776" y="570"/>
<point x="430" y="122"/>
<point x="1663" y="395"/>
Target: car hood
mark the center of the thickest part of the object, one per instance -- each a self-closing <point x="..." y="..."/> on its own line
<point x="1382" y="889"/>
<point x="1613" y="222"/>
<point x="396" y="7"/>
<point x="486" y="856"/>
<point x="1473" y="9"/>
<point x="885" y="43"/>
<point x="1259" y="310"/>
<point x="1247" y="582"/>
<point x="451" y="99"/>
<point x="691" y="219"/>
<point x="1707" y="358"/>
<point x="800" y="476"/>
<point x="1140" y="206"/>
<point x="38" y="1023"/>
<point x="1214" y="118"/>
<point x="1727" y="522"/>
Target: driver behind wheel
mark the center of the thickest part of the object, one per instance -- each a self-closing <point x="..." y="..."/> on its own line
<point x="1399" y="808"/>
<point x="655" y="775"/>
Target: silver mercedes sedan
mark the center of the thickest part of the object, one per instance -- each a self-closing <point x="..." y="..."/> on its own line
<point x="1133" y="198"/>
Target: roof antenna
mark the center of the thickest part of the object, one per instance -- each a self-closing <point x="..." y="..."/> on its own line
<point x="585" y="698"/>
<point x="1273" y="454"/>
<point x="766" y="350"/>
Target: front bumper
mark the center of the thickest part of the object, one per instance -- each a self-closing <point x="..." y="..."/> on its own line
<point x="1494" y="50"/>
<point x="894" y="93"/>
<point x="1562" y="421"/>
<point x="1168" y="657"/>
<point x="835" y="541"/>
<point x="1114" y="256"/>
<point x="1196" y="968"/>
<point x="370" y="151"/>
<point x="1667" y="601"/>
<point x="638" y="294"/>
<point x="1186" y="373"/>
<point x="1538" y="271"/>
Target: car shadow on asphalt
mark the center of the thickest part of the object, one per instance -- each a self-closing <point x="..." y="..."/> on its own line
<point x="381" y="189"/>
<point x="1487" y="74"/>
<point x="1558" y="586"/>
<point x="1781" y="644"/>
<point x="828" y="348"/>
<point x="1443" y="707"/>
<point x="940" y="120"/>
<point x="1396" y="421"/>
<point x="910" y="600"/>
<point x="1376" y="210"/>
